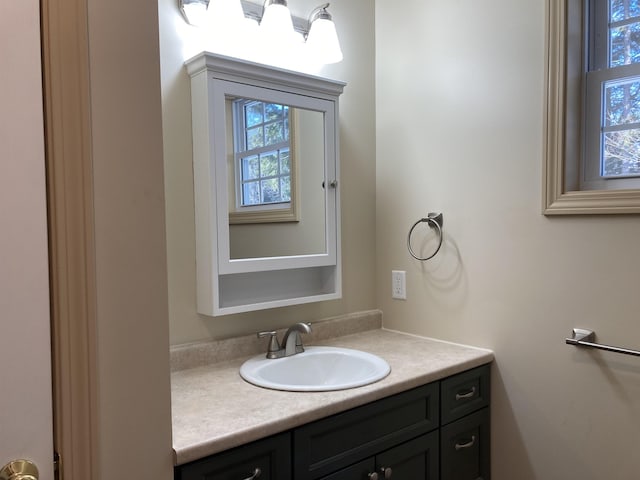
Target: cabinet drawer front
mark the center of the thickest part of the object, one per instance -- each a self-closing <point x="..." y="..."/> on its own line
<point x="464" y="393"/>
<point x="325" y="446"/>
<point x="464" y="448"/>
<point x="271" y="455"/>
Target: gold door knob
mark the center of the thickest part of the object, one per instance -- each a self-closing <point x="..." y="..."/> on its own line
<point x="19" y="470"/>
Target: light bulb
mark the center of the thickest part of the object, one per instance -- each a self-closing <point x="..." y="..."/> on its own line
<point x="195" y="12"/>
<point x="227" y="13"/>
<point x="276" y="23"/>
<point x="323" y="42"/>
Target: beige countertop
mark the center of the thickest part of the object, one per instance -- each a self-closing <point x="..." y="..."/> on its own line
<point x="213" y="409"/>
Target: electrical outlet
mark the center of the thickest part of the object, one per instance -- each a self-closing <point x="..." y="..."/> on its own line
<point x="399" y="284"/>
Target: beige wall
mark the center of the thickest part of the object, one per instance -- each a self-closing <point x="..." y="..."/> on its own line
<point x="459" y="130"/>
<point x="354" y="21"/>
<point x="132" y="386"/>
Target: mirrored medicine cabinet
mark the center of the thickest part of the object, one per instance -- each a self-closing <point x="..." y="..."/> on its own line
<point x="267" y="197"/>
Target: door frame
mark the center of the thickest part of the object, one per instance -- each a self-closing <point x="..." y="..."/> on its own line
<point x="66" y="87"/>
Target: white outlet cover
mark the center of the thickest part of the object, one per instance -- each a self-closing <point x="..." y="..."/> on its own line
<point x="399" y="284"/>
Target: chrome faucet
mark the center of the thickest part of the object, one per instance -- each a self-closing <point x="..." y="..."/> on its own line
<point x="291" y="341"/>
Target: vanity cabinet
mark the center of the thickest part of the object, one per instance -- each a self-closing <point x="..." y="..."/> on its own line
<point x="436" y="431"/>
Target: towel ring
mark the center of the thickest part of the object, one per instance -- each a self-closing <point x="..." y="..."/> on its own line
<point x="435" y="221"/>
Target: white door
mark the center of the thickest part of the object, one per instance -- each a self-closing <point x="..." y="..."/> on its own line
<point x="25" y="347"/>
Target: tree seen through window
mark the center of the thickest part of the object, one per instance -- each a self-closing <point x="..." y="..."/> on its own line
<point x="620" y="122"/>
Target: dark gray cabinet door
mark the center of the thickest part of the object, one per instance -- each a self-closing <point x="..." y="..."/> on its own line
<point x="272" y="456"/>
<point x="416" y="459"/>
<point x="336" y="442"/>
<point x="464" y="448"/>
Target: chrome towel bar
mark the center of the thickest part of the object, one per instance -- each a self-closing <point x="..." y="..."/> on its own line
<point x="585" y="338"/>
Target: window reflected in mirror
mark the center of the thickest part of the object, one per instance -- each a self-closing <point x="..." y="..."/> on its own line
<point x="276" y="174"/>
<point x="262" y="147"/>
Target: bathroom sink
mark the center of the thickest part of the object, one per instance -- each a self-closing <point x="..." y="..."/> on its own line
<point x="317" y="369"/>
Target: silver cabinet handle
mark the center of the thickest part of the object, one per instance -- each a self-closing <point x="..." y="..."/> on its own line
<point x="373" y="476"/>
<point x="256" y="473"/>
<point x="469" y="394"/>
<point x="469" y="444"/>
<point x="387" y="472"/>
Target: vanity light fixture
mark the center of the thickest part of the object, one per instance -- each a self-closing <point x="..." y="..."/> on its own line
<point x="194" y="11"/>
<point x="322" y="39"/>
<point x="278" y="28"/>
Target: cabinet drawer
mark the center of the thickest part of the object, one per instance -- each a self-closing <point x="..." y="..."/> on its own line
<point x="271" y="455"/>
<point x="464" y="393"/>
<point x="324" y="446"/>
<point x="465" y="448"/>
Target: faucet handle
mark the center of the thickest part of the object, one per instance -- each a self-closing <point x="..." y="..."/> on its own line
<point x="274" y="347"/>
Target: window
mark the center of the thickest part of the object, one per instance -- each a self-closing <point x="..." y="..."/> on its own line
<point x="611" y="123"/>
<point x="592" y="115"/>
<point x="264" y="157"/>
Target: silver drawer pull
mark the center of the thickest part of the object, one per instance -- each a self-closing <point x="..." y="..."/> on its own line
<point x="469" y="444"/>
<point x="469" y="394"/>
<point x="256" y="473"/>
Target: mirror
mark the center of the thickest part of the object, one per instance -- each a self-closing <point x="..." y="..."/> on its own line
<point x="275" y="170"/>
<point x="265" y="148"/>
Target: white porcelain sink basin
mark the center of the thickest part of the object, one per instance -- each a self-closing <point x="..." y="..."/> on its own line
<point x="317" y="369"/>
